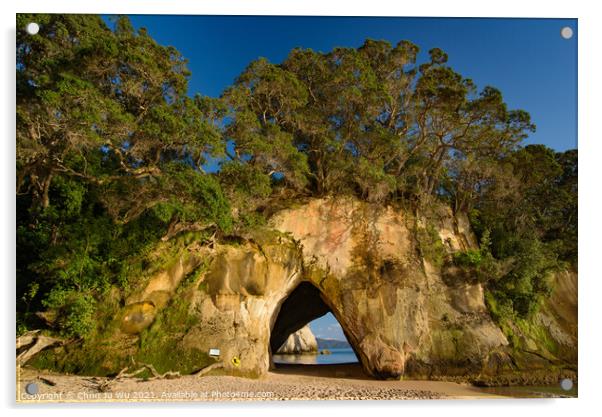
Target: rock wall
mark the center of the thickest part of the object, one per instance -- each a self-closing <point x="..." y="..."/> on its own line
<point x="403" y="314"/>
<point x="302" y="341"/>
<point x="395" y="308"/>
<point x="559" y="315"/>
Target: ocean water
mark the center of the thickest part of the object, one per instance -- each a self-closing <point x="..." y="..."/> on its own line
<point x="336" y="356"/>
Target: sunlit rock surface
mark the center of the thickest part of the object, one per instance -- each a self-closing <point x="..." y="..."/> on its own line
<point x="302" y="341"/>
<point x="405" y="312"/>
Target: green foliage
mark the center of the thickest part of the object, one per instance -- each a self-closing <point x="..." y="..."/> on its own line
<point x="478" y="264"/>
<point x="369" y="121"/>
<point x="529" y="276"/>
<point x="430" y="245"/>
<point x="516" y="327"/>
<point x="75" y="310"/>
<point x="501" y="310"/>
<point x="524" y="279"/>
<point x="529" y="216"/>
<point x="159" y="344"/>
<point x="252" y="220"/>
<point x="264" y="99"/>
<point x="194" y="198"/>
<point x="469" y="258"/>
<point x="499" y="306"/>
<point x="245" y="182"/>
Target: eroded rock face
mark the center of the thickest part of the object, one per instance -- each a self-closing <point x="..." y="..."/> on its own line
<point x="362" y="263"/>
<point x="237" y="299"/>
<point x="230" y="306"/>
<point x="401" y="313"/>
<point x="142" y="306"/>
<point x="302" y="341"/>
<point x="393" y="304"/>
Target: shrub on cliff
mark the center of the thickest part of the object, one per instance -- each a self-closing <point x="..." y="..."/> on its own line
<point x="471" y="257"/>
<point x="75" y="312"/>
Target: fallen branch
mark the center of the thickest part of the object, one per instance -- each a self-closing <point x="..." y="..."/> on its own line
<point x="36" y="342"/>
<point x="105" y="385"/>
<point x="27" y="338"/>
<point x="47" y="381"/>
<point x="207" y="369"/>
<point x="157" y="375"/>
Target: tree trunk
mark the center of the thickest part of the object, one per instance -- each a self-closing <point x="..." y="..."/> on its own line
<point x="45" y="200"/>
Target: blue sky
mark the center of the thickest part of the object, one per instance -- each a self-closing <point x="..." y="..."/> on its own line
<point x="327" y="327"/>
<point x="527" y="59"/>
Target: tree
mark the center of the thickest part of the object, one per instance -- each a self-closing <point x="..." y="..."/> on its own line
<point x="101" y="105"/>
<point x="110" y="156"/>
<point x="263" y="103"/>
<point x="529" y="209"/>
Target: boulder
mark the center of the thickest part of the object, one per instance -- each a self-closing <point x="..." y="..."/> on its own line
<point x="302" y="341"/>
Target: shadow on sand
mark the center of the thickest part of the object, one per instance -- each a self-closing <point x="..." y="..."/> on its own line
<point x="339" y="370"/>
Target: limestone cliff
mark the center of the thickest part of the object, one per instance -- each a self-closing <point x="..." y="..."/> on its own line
<point x="395" y="308"/>
<point x="380" y="270"/>
<point x="302" y="341"/>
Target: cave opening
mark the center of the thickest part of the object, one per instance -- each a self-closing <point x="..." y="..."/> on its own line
<point x="323" y="342"/>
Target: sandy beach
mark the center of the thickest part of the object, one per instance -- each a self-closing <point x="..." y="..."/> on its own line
<point x="290" y="382"/>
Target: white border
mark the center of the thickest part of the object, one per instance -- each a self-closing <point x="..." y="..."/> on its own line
<point x="508" y="8"/>
<point x="590" y="151"/>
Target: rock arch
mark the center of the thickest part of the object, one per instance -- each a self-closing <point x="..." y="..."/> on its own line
<point x="358" y="261"/>
<point x="401" y="312"/>
<point x="303" y="305"/>
<point x="397" y="312"/>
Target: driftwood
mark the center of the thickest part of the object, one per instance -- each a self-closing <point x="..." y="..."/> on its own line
<point x="153" y="371"/>
<point x="31" y="343"/>
<point x="205" y="370"/>
<point x="47" y="381"/>
<point x="105" y="385"/>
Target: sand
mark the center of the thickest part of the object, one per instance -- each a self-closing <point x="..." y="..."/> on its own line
<point x="290" y="382"/>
